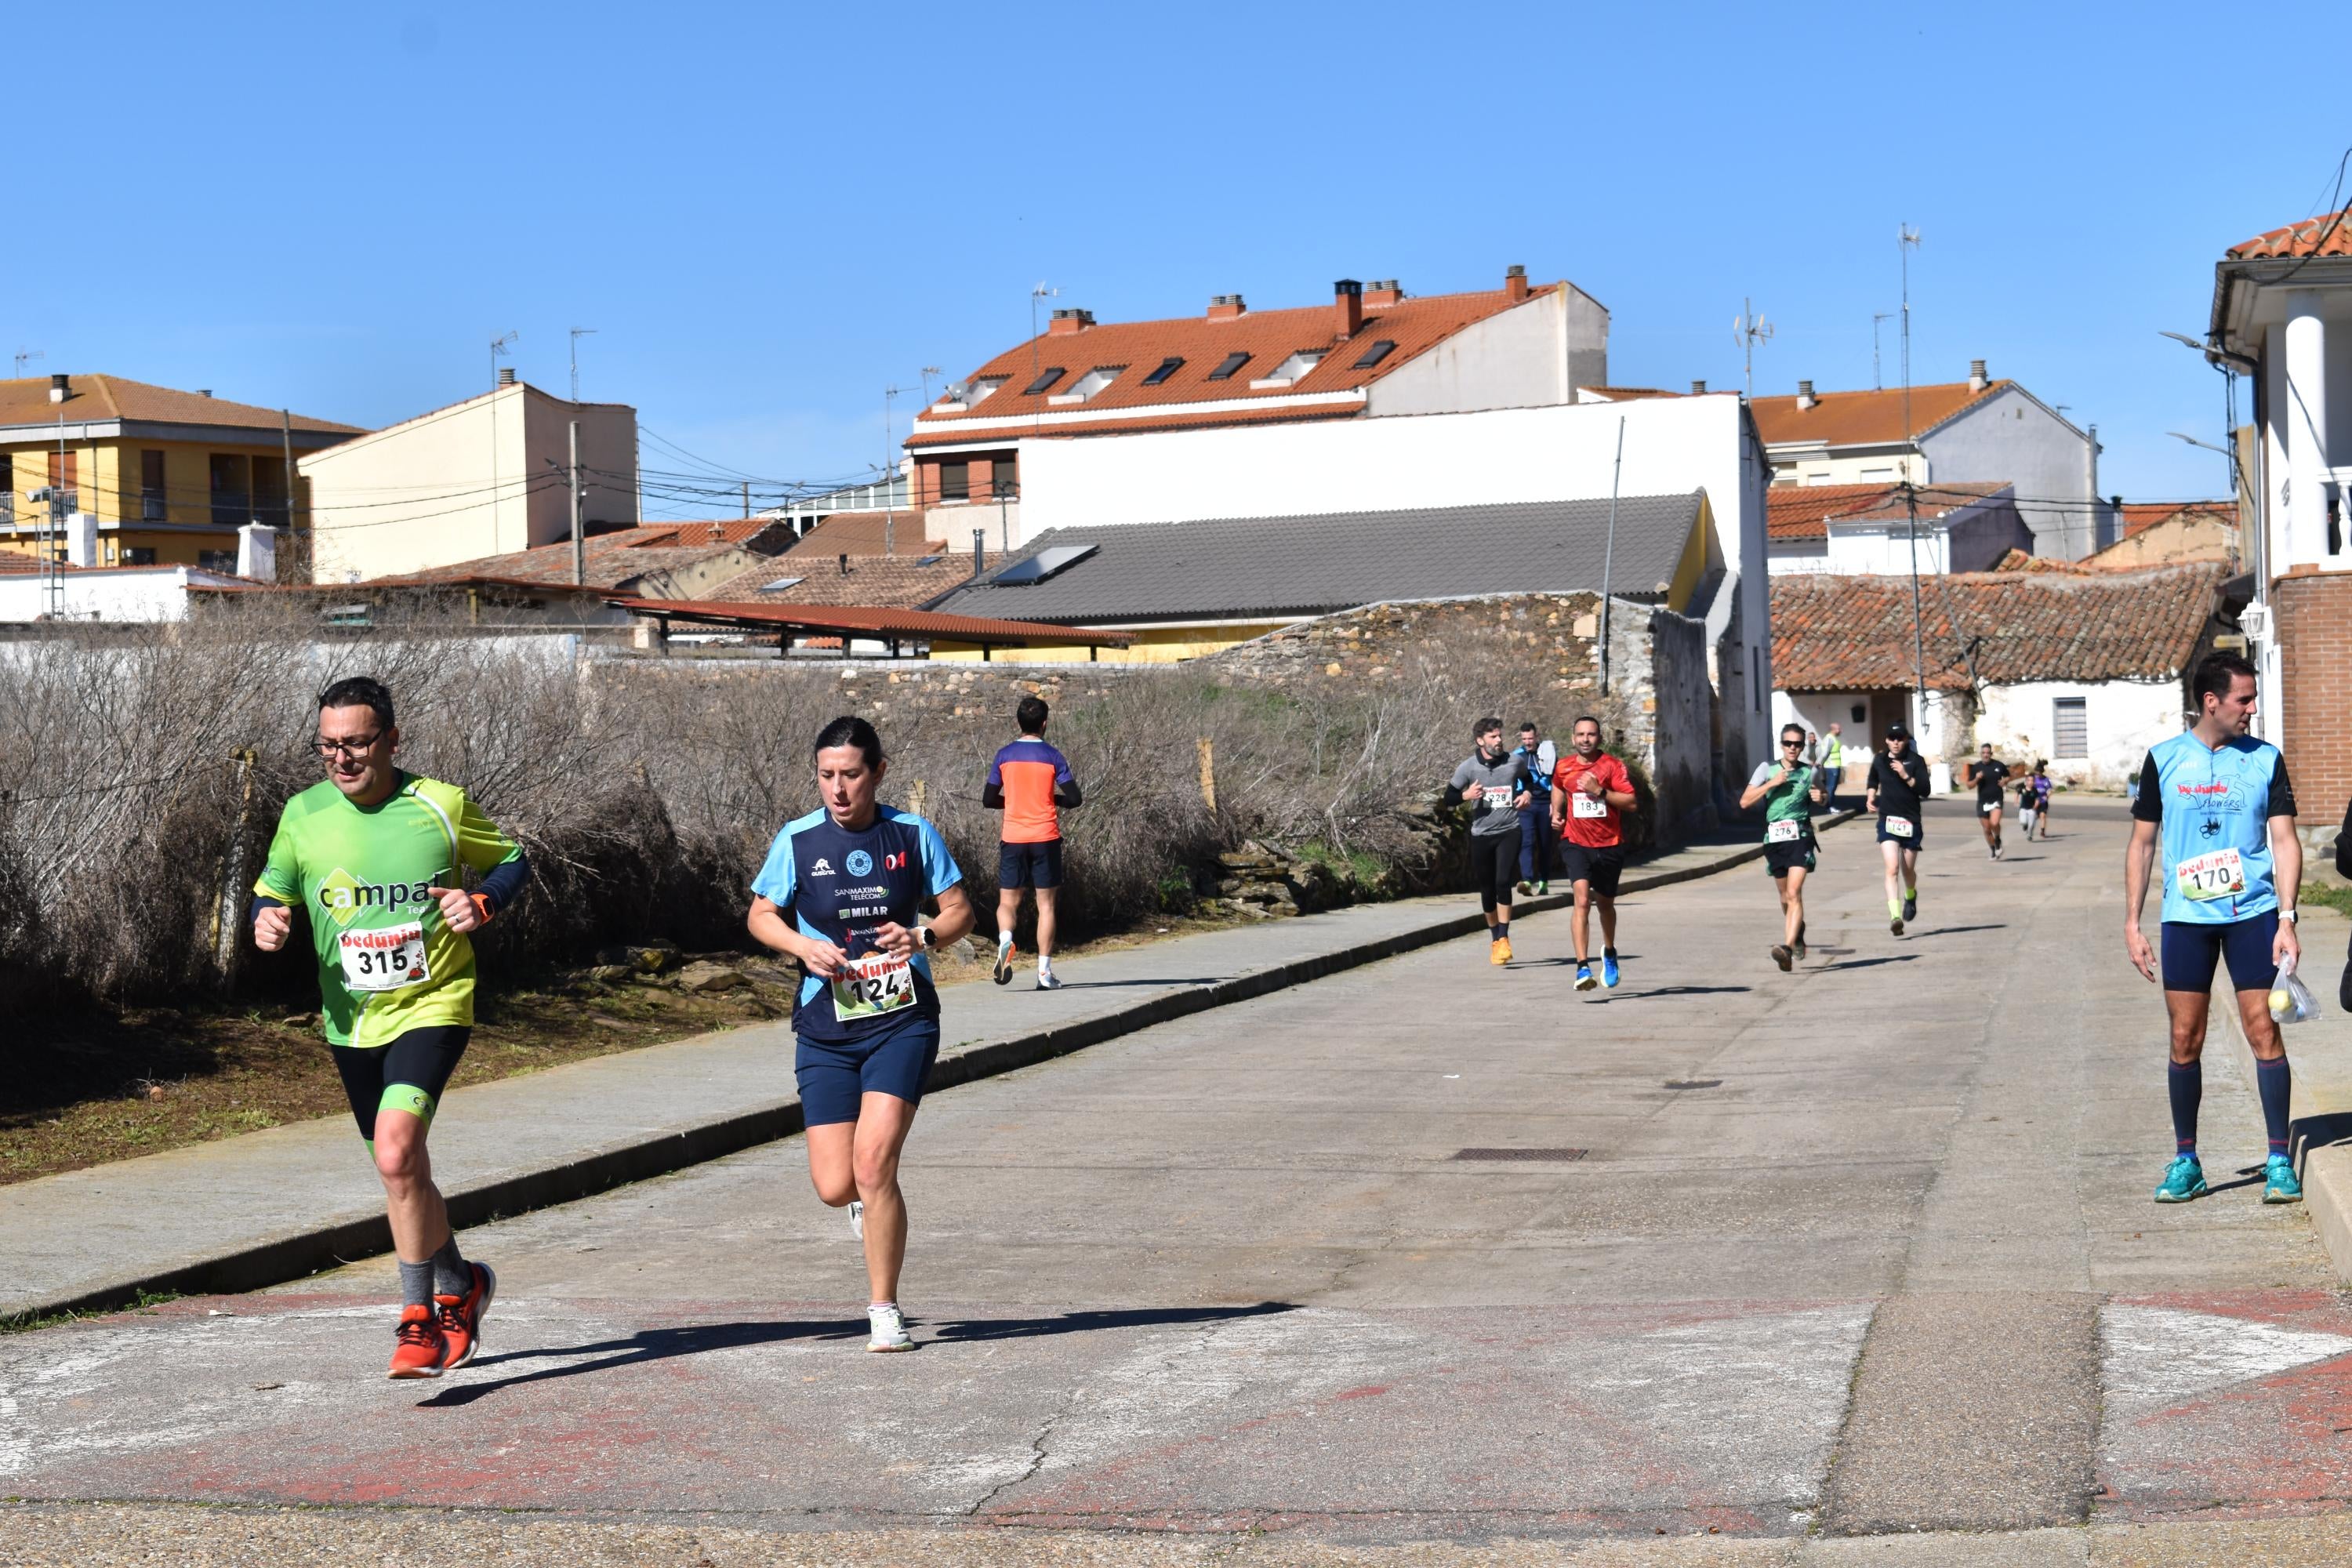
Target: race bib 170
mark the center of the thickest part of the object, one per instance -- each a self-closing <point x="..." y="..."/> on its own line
<point x="879" y="982"/>
<point x="385" y="960"/>
<point x="2204" y="878"/>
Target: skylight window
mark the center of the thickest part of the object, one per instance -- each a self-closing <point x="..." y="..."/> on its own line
<point x="779" y="584"/>
<point x="1373" y="355"/>
<point x="1168" y="367"/>
<point x="1232" y="362"/>
<point x="1087" y="385"/>
<point x="1291" y="370"/>
<point x="1037" y="387"/>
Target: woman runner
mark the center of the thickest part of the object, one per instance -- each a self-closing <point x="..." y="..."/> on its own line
<point x="841" y="892"/>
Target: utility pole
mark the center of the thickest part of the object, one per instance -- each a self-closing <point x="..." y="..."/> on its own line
<point x="497" y="347"/>
<point x="889" y="477"/>
<point x="747" y="500"/>
<point x="579" y="538"/>
<point x="1878" y="381"/>
<point x="286" y="434"/>
<point x="578" y="333"/>
<point x="1609" y="552"/>
<point x="1747" y="330"/>
<point x="1906" y="238"/>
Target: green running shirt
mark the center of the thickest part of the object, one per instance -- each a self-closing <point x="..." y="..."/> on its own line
<point x="387" y="963"/>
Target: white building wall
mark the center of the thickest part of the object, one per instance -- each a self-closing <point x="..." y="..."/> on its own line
<point x="107" y="594"/>
<point x="1887" y="551"/>
<point x="2125" y="718"/>
<point x="1526" y="357"/>
<point x="2010" y="439"/>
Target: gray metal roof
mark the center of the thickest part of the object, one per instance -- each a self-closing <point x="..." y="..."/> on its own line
<point x="1255" y="567"/>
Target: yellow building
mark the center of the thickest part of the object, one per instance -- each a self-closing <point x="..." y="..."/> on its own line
<point x="168" y="477"/>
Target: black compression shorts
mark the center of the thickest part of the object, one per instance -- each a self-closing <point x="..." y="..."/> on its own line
<point x="406" y="1073"/>
<point x="1495" y="867"/>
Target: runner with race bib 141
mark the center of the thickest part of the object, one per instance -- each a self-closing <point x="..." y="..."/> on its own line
<point x="1899" y="780"/>
<point x="842" y="891"/>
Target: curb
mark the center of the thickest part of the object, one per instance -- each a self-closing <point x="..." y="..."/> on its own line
<point x="292" y="1257"/>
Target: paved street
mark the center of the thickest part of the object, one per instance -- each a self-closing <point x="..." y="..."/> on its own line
<point x="1861" y="1251"/>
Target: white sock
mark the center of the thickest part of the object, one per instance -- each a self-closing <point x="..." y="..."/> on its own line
<point x="1004" y="940"/>
<point x="1045" y="964"/>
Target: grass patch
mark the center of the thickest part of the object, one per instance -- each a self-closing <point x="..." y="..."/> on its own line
<point x="2337" y="896"/>
<point x="29" y="1323"/>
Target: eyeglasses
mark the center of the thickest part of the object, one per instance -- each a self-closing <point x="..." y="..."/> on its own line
<point x="1785" y="744"/>
<point x="331" y="750"/>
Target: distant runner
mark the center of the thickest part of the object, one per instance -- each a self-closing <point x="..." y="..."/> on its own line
<point x="376" y="859"/>
<point x="1496" y="787"/>
<point x="1541" y="759"/>
<point x="1899" y="783"/>
<point x="2042" y="791"/>
<point x="1593" y="787"/>
<point x="2026" y="804"/>
<point x="842" y="891"/>
<point x="1788" y="789"/>
<point x="1030" y="781"/>
<point x="1988" y="775"/>
<point x="2215" y="809"/>
<point x="1832" y="755"/>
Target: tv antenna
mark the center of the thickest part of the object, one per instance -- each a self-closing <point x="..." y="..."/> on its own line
<point x="927" y="372"/>
<point x="578" y="333"/>
<point x="24" y="355"/>
<point x="498" y="347"/>
<point x="1747" y="330"/>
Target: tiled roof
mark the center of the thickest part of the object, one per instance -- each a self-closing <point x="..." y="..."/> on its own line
<point x="1259" y="567"/>
<point x="2139" y="516"/>
<point x="26" y="401"/>
<point x="1196" y="419"/>
<point x="1268" y="337"/>
<point x="1804" y="511"/>
<point x="1855" y="634"/>
<point x="2330" y="233"/>
<point x="613" y="559"/>
<point x="1863" y="418"/>
<point x="864" y="532"/>
<point x="890" y="581"/>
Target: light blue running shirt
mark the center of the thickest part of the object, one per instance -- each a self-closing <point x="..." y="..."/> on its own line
<point x="2213" y="810"/>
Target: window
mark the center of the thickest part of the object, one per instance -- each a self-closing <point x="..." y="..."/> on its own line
<point x="1038" y="387"/>
<point x="2070" y="728"/>
<point x="1087" y="385"/>
<point x="232" y="475"/>
<point x="65" y="475"/>
<point x="1291" y="370"/>
<point x="1168" y="367"/>
<point x="955" y="481"/>
<point x="7" y="489"/>
<point x="144" y="555"/>
<point x="1373" y="355"/>
<point x="215" y="560"/>
<point x="779" y="584"/>
<point x="1231" y="364"/>
<point x="152" y="507"/>
<point x="1004" y="478"/>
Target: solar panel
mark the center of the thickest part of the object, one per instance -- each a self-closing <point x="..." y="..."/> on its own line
<point x="1041" y="565"/>
<point x="779" y="584"/>
<point x="1373" y="355"/>
<point x="1168" y="367"/>
<point x="1043" y="382"/>
<point x="930" y="560"/>
<point x="1232" y="361"/>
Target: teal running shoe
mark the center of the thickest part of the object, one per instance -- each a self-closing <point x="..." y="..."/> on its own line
<point x="2278" y="1183"/>
<point x="1584" y="981"/>
<point x="1609" y="967"/>
<point x="2184" y="1180"/>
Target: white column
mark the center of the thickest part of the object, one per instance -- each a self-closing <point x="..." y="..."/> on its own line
<point x="2305" y="419"/>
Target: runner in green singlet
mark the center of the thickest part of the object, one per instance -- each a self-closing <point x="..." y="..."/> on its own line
<point x="1788" y="789"/>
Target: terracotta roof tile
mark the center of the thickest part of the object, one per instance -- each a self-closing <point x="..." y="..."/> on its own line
<point x="1268" y="337"/>
<point x="1855" y="634"/>
<point x="1863" y="418"/>
<point x="864" y="533"/>
<point x="1804" y="511"/>
<point x="1197" y="419"/>
<point x="2330" y="233"/>
<point x="898" y="582"/>
<point x="612" y="558"/>
<point x="2139" y="516"/>
<point x="26" y="401"/>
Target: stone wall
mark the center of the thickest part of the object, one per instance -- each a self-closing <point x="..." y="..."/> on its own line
<point x="2313" y="709"/>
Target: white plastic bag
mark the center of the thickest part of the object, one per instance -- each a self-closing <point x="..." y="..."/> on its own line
<point x="2291" y="1000"/>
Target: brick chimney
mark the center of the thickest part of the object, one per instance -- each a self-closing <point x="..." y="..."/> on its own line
<point x="1226" y="307"/>
<point x="1348" y="307"/>
<point x="1976" y="379"/>
<point x="1382" y="294"/>
<point x="1515" y="283"/>
<point x="1068" y="323"/>
<point x="1698" y="387"/>
<point x="506" y="376"/>
<point x="1805" y="398"/>
<point x="60" y="387"/>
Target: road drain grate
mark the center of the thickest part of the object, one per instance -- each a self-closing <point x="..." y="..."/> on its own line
<point x="1694" y="1083"/>
<point x="1554" y="1156"/>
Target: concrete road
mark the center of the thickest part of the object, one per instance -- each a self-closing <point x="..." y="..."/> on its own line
<point x="1790" y="1264"/>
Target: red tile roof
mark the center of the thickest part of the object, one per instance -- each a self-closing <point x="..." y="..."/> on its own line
<point x="2142" y="515"/>
<point x="2330" y="233"/>
<point x="864" y="533"/>
<point x="1855" y="634"/>
<point x="1863" y="418"/>
<point x="612" y="558"/>
<point x="1804" y="511"/>
<point x="26" y="401"/>
<point x="868" y="621"/>
<point x="1195" y="420"/>
<point x="899" y="582"/>
<point x="1269" y="337"/>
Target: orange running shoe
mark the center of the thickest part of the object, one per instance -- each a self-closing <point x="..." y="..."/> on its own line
<point x="459" y="1318"/>
<point x="418" y="1354"/>
<point x="1499" y="950"/>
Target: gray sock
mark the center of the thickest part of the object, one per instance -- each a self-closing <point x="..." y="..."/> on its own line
<point x="416" y="1283"/>
<point x="451" y="1277"/>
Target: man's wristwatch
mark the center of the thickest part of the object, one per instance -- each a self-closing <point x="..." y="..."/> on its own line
<point x="2290" y="916"/>
<point x="923" y="937"/>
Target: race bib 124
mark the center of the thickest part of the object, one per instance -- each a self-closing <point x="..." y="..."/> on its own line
<point x="879" y="982"/>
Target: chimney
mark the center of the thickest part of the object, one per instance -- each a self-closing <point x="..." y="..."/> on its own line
<point x="978" y="549"/>
<point x="1067" y="322"/>
<point x="1382" y="294"/>
<point x="1805" y="398"/>
<point x="1697" y="388"/>
<point x="1977" y="382"/>
<point x="1348" y="307"/>
<point x="843" y="562"/>
<point x="1226" y="307"/>
<point x="204" y="392"/>
<point x="717" y="531"/>
<point x="506" y="376"/>
<point x="60" y="387"/>
<point x="1515" y="283"/>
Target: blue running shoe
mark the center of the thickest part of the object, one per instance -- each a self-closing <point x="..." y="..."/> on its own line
<point x="2278" y="1183"/>
<point x="2184" y="1179"/>
<point x="1584" y="981"/>
<point x="1609" y="967"/>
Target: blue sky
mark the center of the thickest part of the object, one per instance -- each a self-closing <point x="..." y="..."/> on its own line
<point x="769" y="214"/>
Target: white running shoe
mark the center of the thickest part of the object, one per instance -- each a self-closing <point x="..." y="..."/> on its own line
<point x="888" y="1331"/>
<point x="857" y="1220"/>
<point x="1048" y="981"/>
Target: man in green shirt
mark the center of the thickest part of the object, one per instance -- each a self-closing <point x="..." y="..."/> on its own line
<point x="376" y="859"/>
<point x="1788" y="789"/>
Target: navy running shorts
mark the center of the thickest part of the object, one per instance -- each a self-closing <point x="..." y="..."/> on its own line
<point x="1600" y="866"/>
<point x="408" y="1072"/>
<point x="833" y="1077"/>
<point x="1029" y="865"/>
<point x="1911" y="839"/>
<point x="2190" y="952"/>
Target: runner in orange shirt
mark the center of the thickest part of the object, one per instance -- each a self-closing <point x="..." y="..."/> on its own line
<point x="1030" y="781"/>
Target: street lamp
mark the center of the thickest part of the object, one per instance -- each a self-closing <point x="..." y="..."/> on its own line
<point x="2207" y="445"/>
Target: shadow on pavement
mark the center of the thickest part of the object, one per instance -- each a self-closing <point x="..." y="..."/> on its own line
<point x="1683" y="991"/>
<point x="969" y="1329"/>
<point x="1955" y="931"/>
<point x="645" y="1345"/>
<point x="1113" y="984"/>
<point x="2319" y="1131"/>
<point x="1867" y="962"/>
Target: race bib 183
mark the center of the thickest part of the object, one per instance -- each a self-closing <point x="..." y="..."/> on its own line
<point x="1587" y="807"/>
<point x="2204" y="878"/>
<point x="879" y="982"/>
<point x="1786" y="831"/>
<point x="385" y="960"/>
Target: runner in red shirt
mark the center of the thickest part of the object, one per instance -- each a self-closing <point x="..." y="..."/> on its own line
<point x="1588" y="792"/>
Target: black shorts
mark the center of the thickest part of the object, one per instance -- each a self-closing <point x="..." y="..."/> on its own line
<point x="406" y="1073"/>
<point x="1797" y="855"/>
<point x="1915" y="839"/>
<point x="1986" y="807"/>
<point x="1598" y="865"/>
<point x="1029" y="865"/>
<point x="2189" y="951"/>
<point x="1495" y="867"/>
